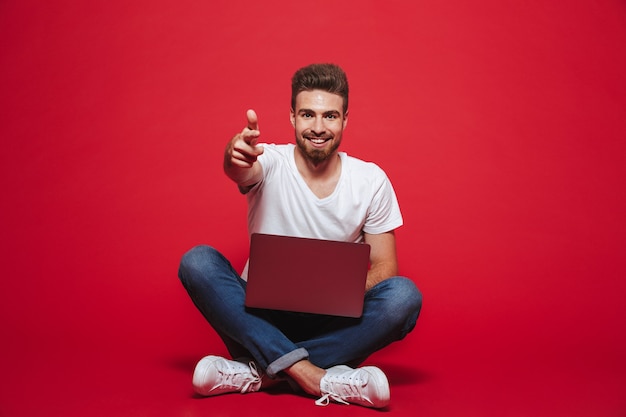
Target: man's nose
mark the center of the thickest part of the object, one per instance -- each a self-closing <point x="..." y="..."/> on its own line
<point x="318" y="126"/>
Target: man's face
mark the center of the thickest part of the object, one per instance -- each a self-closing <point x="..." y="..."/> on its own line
<point x="319" y="121"/>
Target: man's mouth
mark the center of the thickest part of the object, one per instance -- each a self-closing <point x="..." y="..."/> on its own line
<point x="317" y="140"/>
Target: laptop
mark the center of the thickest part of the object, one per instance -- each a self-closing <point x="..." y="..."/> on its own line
<point x="307" y="275"/>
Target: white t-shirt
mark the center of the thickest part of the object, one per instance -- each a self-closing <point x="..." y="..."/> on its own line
<point x="282" y="203"/>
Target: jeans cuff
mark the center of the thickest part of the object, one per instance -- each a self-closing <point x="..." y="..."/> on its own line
<point x="286" y="361"/>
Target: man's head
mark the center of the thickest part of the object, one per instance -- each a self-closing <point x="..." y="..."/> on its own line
<point x="325" y="77"/>
<point x="319" y="111"/>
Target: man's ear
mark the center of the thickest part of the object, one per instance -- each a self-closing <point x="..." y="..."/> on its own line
<point x="292" y="117"/>
<point x="345" y="119"/>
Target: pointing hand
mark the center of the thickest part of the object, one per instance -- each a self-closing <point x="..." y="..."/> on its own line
<point x="243" y="150"/>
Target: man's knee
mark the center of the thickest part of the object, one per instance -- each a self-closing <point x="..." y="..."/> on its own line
<point x="403" y="303"/>
<point x="195" y="261"/>
<point x="406" y="295"/>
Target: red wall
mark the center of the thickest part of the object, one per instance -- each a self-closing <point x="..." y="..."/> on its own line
<point x="501" y="124"/>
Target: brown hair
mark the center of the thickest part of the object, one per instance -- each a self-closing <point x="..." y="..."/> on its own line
<point x="326" y="77"/>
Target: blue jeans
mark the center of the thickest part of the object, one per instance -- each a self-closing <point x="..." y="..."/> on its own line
<point x="278" y="339"/>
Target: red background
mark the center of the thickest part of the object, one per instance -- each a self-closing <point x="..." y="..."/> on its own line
<point x="502" y="125"/>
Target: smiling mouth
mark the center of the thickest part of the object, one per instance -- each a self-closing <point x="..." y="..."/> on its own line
<point x="317" y="140"/>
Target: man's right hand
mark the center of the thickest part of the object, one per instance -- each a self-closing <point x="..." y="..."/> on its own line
<point x="241" y="155"/>
<point x="242" y="151"/>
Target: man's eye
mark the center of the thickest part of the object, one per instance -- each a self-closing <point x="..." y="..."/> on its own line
<point x="331" y="116"/>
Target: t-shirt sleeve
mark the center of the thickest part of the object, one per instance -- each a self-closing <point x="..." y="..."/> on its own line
<point x="384" y="213"/>
<point x="267" y="160"/>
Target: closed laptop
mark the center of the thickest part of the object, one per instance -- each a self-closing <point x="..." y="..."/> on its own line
<point x="307" y="275"/>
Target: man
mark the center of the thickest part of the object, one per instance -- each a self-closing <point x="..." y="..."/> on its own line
<point x="309" y="189"/>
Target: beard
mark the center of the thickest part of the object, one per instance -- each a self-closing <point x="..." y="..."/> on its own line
<point x="316" y="156"/>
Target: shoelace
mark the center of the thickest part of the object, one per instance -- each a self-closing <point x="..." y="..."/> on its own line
<point x="324" y="400"/>
<point x="340" y="387"/>
<point x="257" y="378"/>
<point x="229" y="378"/>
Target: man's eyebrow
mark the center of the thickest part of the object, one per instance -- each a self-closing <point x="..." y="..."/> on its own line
<point x="326" y="113"/>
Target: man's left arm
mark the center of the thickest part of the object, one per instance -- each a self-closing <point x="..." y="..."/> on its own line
<point x="383" y="258"/>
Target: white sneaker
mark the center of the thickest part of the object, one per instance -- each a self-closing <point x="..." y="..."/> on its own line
<point x="366" y="386"/>
<point x="215" y="375"/>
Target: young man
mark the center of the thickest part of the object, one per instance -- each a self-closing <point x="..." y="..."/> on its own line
<point x="312" y="190"/>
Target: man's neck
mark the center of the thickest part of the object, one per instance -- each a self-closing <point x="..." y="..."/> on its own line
<point x="322" y="177"/>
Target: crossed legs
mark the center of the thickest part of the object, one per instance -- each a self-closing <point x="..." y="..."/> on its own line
<point x="300" y="346"/>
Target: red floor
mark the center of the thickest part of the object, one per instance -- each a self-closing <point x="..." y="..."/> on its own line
<point x="146" y="370"/>
<point x="501" y="125"/>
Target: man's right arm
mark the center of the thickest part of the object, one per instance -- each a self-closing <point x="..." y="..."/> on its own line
<point x="240" y="156"/>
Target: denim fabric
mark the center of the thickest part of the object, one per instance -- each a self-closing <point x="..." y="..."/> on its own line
<point x="278" y="339"/>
